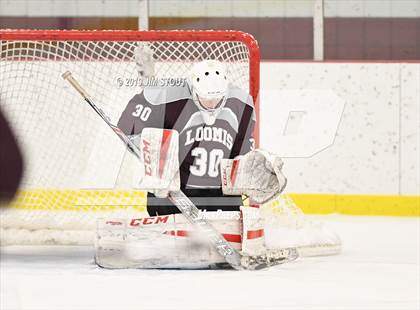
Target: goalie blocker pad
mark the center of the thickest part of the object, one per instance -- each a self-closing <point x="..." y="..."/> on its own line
<point x="169" y="241"/>
<point x="159" y="153"/>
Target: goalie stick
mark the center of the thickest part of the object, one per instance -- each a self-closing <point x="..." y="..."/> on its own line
<point x="191" y="212"/>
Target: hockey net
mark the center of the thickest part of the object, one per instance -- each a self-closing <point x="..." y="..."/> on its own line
<point x="76" y="169"/>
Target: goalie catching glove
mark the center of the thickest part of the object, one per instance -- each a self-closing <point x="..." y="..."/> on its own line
<point x="256" y="174"/>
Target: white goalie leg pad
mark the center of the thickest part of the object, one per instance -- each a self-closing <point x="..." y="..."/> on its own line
<point x="159" y="150"/>
<point x="253" y="239"/>
<point x="163" y="241"/>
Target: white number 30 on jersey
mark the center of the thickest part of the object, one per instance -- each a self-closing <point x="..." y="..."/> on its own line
<point x="206" y="162"/>
<point x="142" y="112"/>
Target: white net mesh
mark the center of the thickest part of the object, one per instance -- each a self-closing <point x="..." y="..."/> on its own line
<point x="286" y="225"/>
<point x="76" y="168"/>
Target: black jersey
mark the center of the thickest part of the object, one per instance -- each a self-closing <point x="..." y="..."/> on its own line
<point x="201" y="146"/>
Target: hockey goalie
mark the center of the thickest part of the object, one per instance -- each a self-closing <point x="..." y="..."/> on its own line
<point x="198" y="138"/>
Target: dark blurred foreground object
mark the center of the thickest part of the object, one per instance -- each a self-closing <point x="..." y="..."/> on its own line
<point x="11" y="163"/>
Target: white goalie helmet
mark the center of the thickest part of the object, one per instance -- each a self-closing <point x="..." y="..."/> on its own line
<point x="209" y="84"/>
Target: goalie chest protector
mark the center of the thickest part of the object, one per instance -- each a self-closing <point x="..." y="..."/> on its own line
<point x="201" y="146"/>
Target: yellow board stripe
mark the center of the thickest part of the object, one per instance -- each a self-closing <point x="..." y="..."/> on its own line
<point x="392" y="205"/>
<point x="79" y="200"/>
<point x="107" y="200"/>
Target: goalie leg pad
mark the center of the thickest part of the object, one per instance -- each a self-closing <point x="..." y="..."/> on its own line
<point x="253" y="234"/>
<point x="163" y="242"/>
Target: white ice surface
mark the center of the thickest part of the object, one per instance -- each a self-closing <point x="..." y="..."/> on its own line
<point x="378" y="269"/>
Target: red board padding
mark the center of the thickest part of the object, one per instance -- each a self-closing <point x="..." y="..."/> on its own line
<point x="11" y="163"/>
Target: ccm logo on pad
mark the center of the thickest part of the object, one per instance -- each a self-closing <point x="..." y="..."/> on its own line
<point x="147" y="158"/>
<point x="149" y="220"/>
